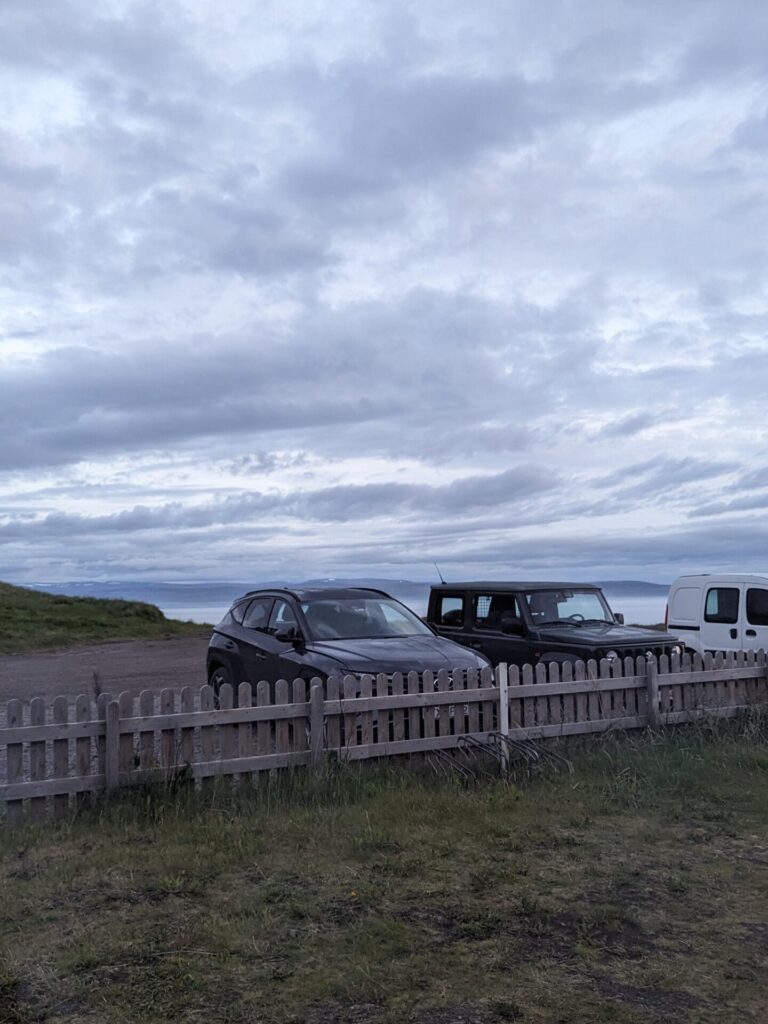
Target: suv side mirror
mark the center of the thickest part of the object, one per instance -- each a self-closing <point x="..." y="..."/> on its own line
<point x="619" y="618"/>
<point x="288" y="635"/>
<point x="511" y="625"/>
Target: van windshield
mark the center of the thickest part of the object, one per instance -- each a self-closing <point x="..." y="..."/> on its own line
<point x="548" y="607"/>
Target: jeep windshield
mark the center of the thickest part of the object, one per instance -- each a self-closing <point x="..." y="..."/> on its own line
<point x="571" y="607"/>
<point x="361" y="618"/>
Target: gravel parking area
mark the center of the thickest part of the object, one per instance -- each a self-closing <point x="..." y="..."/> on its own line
<point x="132" y="665"/>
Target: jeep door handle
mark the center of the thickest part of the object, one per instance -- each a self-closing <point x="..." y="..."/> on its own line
<point x="230" y="645"/>
<point x="751" y="632"/>
<point x="734" y="633"/>
<point x="474" y="644"/>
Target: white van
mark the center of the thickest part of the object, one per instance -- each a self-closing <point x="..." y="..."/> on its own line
<point x="722" y="612"/>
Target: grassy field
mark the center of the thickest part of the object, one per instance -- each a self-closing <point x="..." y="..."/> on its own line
<point x="34" y="621"/>
<point x="632" y="889"/>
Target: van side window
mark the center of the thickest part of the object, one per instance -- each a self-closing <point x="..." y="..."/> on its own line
<point x="722" y="605"/>
<point x="450" y="610"/>
<point x="757" y="607"/>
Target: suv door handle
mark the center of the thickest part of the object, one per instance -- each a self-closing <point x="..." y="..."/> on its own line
<point x="734" y="633"/>
<point x="751" y="632"/>
<point x="230" y="645"/>
<point x="475" y="644"/>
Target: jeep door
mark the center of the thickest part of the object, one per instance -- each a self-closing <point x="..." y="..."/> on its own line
<point x="487" y="611"/>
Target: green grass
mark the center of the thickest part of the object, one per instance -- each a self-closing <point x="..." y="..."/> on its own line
<point x="34" y="621"/>
<point x="633" y="889"/>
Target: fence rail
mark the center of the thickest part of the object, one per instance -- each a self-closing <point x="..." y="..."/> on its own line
<point x="52" y="756"/>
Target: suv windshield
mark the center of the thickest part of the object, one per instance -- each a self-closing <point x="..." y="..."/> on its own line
<point x="360" y="617"/>
<point x="573" y="606"/>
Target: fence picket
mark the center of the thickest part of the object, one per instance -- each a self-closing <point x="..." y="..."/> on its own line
<point x="208" y="734"/>
<point x="37" y="758"/>
<point x="226" y="731"/>
<point x="125" y="746"/>
<point x="596" y="705"/>
<point x="264" y="740"/>
<point x="382" y="724"/>
<point x="529" y="704"/>
<point x="414" y="713"/>
<point x="398" y="715"/>
<point x="515" y="704"/>
<point x="555" y="701"/>
<point x="168" y="736"/>
<point x="61" y="757"/>
<point x="429" y="712"/>
<point x="245" y="739"/>
<point x="14" y="760"/>
<point x="351" y="724"/>
<point x="570" y="707"/>
<point x="83" y="745"/>
<point x="147" y="757"/>
<point x="579" y="672"/>
<point x="443" y="682"/>
<point x="300" y="725"/>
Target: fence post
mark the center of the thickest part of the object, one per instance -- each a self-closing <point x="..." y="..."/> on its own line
<point x="652" y="684"/>
<point x="112" y="745"/>
<point x="502" y="678"/>
<point x="316" y="724"/>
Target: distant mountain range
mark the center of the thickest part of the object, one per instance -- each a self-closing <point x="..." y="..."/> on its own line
<point x="172" y="594"/>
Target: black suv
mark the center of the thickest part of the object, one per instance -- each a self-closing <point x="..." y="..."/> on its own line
<point x="302" y="634"/>
<point x="526" y="623"/>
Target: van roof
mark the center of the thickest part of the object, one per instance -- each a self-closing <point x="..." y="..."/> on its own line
<point x="724" y="577"/>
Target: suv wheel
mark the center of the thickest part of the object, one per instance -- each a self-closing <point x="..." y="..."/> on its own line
<point x="219" y="677"/>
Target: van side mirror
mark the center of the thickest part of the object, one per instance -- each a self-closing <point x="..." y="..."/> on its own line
<point x="511" y="625"/>
<point x="619" y="618"/>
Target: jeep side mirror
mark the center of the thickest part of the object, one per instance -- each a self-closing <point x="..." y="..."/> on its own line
<point x="619" y="618"/>
<point x="511" y="625"/>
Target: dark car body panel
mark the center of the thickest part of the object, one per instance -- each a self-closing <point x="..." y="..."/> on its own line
<point x="564" y="641"/>
<point x="254" y="656"/>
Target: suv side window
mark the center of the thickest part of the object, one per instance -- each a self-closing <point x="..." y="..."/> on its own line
<point x="282" y="617"/>
<point x="450" y="610"/>
<point x="722" y="605"/>
<point x="489" y="609"/>
<point x="757" y="607"/>
<point x="257" y="614"/>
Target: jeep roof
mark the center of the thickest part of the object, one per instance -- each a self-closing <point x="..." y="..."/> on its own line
<point x="501" y="586"/>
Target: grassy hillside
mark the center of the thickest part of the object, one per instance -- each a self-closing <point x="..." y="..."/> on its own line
<point x="633" y="890"/>
<point x="33" y="621"/>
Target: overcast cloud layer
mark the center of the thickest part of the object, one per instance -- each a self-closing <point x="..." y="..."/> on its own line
<point x="313" y="288"/>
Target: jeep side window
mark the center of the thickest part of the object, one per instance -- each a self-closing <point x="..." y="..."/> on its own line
<point x="489" y="609"/>
<point x="450" y="610"/>
<point x="722" y="605"/>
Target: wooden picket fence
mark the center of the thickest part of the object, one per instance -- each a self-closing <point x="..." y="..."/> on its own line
<point x="53" y="757"/>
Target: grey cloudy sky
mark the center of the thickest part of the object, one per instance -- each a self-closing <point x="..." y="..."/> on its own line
<point x="299" y="288"/>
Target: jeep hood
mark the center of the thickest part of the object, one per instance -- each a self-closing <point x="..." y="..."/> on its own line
<point x="398" y="654"/>
<point x="604" y="634"/>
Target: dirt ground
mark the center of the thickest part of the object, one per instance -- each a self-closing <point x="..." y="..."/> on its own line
<point x="131" y="665"/>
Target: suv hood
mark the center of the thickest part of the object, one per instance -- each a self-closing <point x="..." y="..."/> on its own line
<point x="605" y="634"/>
<point x="398" y="654"/>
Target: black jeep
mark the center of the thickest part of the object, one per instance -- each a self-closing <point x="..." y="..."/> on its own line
<point x="527" y="623"/>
